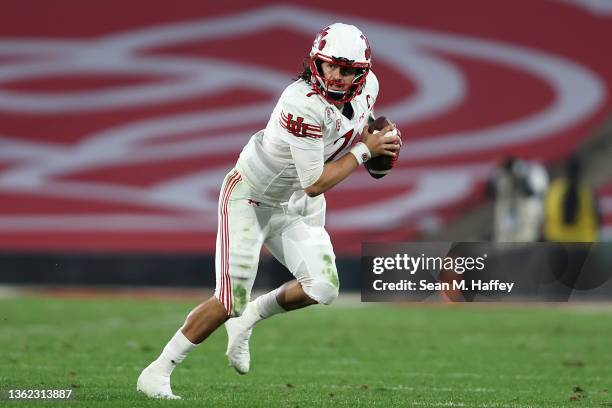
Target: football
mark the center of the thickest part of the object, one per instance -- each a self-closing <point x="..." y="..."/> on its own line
<point x="381" y="165"/>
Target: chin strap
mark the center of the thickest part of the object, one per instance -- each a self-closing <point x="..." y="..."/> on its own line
<point x="336" y="95"/>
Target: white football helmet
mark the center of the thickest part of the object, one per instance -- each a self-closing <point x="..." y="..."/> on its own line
<point x="344" y="45"/>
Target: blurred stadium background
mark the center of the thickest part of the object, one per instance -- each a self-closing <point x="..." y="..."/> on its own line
<point x="118" y="122"/>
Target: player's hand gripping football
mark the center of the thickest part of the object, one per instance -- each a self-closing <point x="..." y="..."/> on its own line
<point x="385" y="142"/>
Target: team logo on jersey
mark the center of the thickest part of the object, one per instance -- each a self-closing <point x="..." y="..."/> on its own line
<point x="329" y="114"/>
<point x="298" y="127"/>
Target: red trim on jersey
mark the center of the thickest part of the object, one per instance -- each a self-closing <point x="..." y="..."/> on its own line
<point x="348" y="137"/>
<point x="225" y="292"/>
<point x="298" y="127"/>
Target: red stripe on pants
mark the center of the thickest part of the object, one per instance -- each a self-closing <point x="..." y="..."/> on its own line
<point x="225" y="293"/>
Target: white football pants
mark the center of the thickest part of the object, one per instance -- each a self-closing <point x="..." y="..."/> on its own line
<point x="246" y="223"/>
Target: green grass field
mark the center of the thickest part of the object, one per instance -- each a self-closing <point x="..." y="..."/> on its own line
<point x="370" y="356"/>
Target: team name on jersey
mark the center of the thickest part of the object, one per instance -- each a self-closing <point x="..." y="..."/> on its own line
<point x="298" y="127"/>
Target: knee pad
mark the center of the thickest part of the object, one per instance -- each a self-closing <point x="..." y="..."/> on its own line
<point x="322" y="291"/>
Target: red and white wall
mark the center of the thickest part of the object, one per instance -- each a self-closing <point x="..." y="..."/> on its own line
<point x="118" y="120"/>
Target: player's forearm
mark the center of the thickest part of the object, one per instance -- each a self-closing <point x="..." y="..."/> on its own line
<point x="333" y="173"/>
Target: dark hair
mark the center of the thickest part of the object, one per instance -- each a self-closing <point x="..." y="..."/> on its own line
<point x="571" y="200"/>
<point x="305" y="74"/>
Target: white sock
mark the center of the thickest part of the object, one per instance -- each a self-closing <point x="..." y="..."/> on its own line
<point x="261" y="308"/>
<point x="267" y="305"/>
<point x="175" y="352"/>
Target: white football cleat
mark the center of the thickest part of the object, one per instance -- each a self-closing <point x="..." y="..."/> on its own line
<point x="154" y="383"/>
<point x="238" y="354"/>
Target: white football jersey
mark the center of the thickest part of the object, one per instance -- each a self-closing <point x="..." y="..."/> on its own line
<point x="304" y="132"/>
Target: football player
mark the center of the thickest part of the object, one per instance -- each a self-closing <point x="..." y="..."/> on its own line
<point x="274" y="197"/>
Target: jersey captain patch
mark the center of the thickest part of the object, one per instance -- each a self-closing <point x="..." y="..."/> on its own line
<point x="299" y="128"/>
